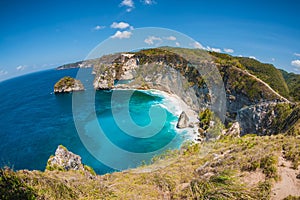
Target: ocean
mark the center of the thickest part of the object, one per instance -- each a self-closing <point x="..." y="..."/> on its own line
<point x="34" y="121"/>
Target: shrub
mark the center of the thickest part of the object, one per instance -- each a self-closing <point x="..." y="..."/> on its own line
<point x="12" y="187"/>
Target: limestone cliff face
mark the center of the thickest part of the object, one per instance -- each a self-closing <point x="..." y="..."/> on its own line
<point x="269" y="118"/>
<point x="140" y="71"/>
<point x="68" y="84"/>
<point x="249" y="100"/>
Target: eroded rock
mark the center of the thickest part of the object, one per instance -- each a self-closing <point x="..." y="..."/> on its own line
<point x="183" y="120"/>
<point x="64" y="160"/>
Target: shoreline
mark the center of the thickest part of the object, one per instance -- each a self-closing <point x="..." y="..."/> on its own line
<point x="175" y="105"/>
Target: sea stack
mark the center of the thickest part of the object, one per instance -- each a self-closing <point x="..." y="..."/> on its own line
<point x="183" y="120"/>
<point x="68" y="84"/>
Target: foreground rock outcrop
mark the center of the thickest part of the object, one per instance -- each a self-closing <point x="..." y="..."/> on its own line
<point x="68" y="84"/>
<point x="65" y="160"/>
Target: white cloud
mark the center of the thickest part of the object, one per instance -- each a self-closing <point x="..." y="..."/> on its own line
<point x="122" y="35"/>
<point x="20" y="67"/>
<point x="171" y="38"/>
<point x="253" y="57"/>
<point x="151" y="39"/>
<point x="129" y="4"/>
<point x="120" y="25"/>
<point x="296" y="63"/>
<point x="197" y="45"/>
<point x="177" y="44"/>
<point x="97" y="28"/>
<point x="297" y="54"/>
<point x="228" y="50"/>
<point x="273" y="59"/>
<point x="213" y="49"/>
<point x="3" y="72"/>
<point x="148" y="2"/>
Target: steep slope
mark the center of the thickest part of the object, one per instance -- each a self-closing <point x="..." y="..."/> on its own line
<point x="266" y="72"/>
<point x="249" y="100"/>
<point x="231" y="168"/>
<point x="293" y="83"/>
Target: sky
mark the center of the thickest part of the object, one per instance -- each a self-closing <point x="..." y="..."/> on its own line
<point x="37" y="35"/>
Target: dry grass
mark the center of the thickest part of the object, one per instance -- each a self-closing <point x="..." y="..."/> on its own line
<point x="215" y="170"/>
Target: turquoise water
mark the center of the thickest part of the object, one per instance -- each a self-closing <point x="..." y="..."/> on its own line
<point x="34" y="121"/>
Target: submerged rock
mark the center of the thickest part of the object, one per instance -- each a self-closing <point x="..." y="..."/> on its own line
<point x="183" y="120"/>
<point x="68" y="84"/>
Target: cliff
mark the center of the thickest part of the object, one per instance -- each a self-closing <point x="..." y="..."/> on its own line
<point x="68" y="84"/>
<point x="249" y="99"/>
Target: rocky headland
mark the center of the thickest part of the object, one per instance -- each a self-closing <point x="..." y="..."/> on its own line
<point x="250" y="101"/>
<point x="251" y="97"/>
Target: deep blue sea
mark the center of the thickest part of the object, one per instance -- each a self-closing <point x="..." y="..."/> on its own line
<point x="34" y="121"/>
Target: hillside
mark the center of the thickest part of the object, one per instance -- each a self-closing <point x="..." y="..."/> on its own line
<point x="293" y="83"/>
<point x="231" y="168"/>
<point x="266" y="72"/>
<point x="191" y="75"/>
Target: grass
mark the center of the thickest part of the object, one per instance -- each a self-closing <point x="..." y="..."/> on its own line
<point x="13" y="187"/>
<point x="212" y="170"/>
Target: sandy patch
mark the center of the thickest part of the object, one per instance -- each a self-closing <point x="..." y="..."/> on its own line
<point x="289" y="184"/>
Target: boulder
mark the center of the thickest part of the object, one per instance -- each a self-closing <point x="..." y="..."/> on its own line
<point x="183" y="120"/>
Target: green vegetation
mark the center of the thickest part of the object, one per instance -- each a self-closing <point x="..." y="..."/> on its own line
<point x="90" y="170"/>
<point x="173" y="58"/>
<point x="291" y="153"/>
<point x="293" y="83"/>
<point x="291" y="198"/>
<point x="204" y="118"/>
<point x="213" y="170"/>
<point x="266" y="72"/>
<point x="65" y="82"/>
<point x="68" y="84"/>
<point x="13" y="187"/>
<point x="210" y="124"/>
<point x="227" y="60"/>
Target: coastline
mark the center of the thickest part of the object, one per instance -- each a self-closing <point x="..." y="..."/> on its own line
<point x="176" y="105"/>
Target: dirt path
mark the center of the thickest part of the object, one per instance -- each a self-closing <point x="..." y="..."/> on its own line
<point x="289" y="184"/>
<point x="267" y="85"/>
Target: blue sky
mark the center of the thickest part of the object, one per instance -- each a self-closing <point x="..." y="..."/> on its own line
<point x="37" y="35"/>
